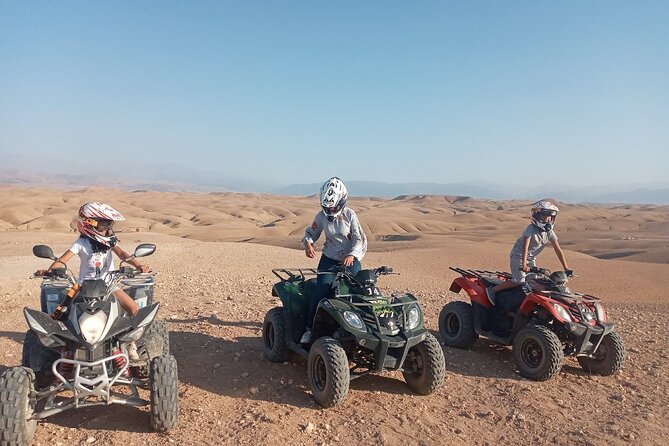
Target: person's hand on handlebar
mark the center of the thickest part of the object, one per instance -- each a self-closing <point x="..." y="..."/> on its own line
<point x="144" y="268"/>
<point x="41" y="272"/>
<point x="569" y="272"/>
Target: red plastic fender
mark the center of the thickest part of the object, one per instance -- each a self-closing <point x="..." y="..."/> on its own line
<point x="533" y="300"/>
<point x="474" y="289"/>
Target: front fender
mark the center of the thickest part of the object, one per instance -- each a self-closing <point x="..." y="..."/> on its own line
<point x="531" y="302"/>
<point x="48" y="329"/>
<point x="335" y="308"/>
<point x="329" y="316"/>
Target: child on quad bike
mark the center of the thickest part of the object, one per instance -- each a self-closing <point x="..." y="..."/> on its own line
<point x="94" y="247"/>
<point x="528" y="246"/>
<point x="345" y="241"/>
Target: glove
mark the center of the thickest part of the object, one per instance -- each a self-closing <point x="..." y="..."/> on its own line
<point x="569" y="272"/>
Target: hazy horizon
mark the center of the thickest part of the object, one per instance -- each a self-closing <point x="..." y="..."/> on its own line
<point x="166" y="178"/>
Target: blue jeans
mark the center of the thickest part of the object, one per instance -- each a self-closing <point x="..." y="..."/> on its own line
<point x="324" y="283"/>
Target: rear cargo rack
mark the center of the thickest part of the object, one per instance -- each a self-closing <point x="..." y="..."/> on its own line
<point x="294" y="274"/>
<point x="480" y="273"/>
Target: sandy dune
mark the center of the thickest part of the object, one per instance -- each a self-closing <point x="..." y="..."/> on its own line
<point x="215" y="291"/>
<point x="634" y="232"/>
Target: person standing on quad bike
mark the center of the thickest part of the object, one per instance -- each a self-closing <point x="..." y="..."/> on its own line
<point x="528" y="246"/>
<point x="345" y="241"/>
<point x="94" y="247"/>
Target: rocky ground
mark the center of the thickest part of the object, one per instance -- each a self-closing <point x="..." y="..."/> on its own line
<point x="215" y="295"/>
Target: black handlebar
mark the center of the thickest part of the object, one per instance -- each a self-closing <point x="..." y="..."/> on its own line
<point x="59" y="273"/>
<point x="546" y="272"/>
<point x="542" y="271"/>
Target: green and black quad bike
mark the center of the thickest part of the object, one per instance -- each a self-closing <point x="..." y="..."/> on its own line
<point x="356" y="330"/>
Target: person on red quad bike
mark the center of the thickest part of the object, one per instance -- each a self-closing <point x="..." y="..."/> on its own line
<point x="345" y="241"/>
<point x="94" y="247"/>
<point x="530" y="243"/>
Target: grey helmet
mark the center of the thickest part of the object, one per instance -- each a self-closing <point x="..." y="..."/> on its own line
<point x="544" y="207"/>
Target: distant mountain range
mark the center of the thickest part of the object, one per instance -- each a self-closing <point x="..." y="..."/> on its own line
<point x="633" y="194"/>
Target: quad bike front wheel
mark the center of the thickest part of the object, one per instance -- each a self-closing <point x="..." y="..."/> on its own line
<point x="609" y="357"/>
<point x="154" y="342"/>
<point x="164" y="388"/>
<point x="17" y="406"/>
<point x="538" y="352"/>
<point x="456" y="325"/>
<point x="327" y="371"/>
<point x="424" y="366"/>
<point x="39" y="359"/>
<point x="274" y="336"/>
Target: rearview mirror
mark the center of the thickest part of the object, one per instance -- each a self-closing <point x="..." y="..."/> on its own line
<point x="43" y="252"/>
<point x="145" y="249"/>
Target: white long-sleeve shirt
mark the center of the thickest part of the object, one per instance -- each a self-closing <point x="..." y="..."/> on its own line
<point x="343" y="236"/>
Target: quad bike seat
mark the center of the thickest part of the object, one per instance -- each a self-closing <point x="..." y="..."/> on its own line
<point x="308" y="287"/>
<point x="492" y="280"/>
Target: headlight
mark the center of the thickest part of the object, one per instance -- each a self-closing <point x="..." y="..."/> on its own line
<point x="562" y="312"/>
<point x="92" y="326"/>
<point x="413" y="318"/>
<point x="354" y="320"/>
<point x="601" y="314"/>
<point x="132" y="335"/>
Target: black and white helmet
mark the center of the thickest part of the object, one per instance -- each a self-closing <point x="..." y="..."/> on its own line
<point x="333" y="197"/>
<point x="544" y="208"/>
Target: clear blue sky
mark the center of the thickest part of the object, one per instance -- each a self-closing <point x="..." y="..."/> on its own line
<point x="292" y="92"/>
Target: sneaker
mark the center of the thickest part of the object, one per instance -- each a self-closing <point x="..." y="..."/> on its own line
<point x="306" y="337"/>
<point x="132" y="351"/>
<point x="490" y="294"/>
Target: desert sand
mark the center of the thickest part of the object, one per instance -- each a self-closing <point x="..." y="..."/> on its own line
<point x="214" y="259"/>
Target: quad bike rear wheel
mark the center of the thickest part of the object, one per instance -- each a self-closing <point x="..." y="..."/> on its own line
<point x="274" y="336"/>
<point x="328" y="372"/>
<point x="164" y="388"/>
<point x="608" y="358"/>
<point x="538" y="352"/>
<point x="456" y="325"/>
<point x="17" y="405"/>
<point x="424" y="367"/>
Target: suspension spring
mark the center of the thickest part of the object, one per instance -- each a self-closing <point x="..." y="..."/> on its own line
<point x="65" y="368"/>
<point x="120" y="362"/>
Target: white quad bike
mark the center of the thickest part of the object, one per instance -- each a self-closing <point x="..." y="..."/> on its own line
<point x="75" y="353"/>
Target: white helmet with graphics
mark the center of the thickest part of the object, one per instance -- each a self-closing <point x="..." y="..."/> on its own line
<point x="95" y="221"/>
<point x="333" y="197"/>
<point x="541" y="210"/>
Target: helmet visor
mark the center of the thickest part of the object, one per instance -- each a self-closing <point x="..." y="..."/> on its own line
<point x="103" y="225"/>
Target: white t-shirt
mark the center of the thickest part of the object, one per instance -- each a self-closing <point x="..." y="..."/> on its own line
<point x="93" y="264"/>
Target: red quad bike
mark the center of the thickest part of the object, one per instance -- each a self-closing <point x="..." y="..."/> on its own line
<point x="543" y="320"/>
